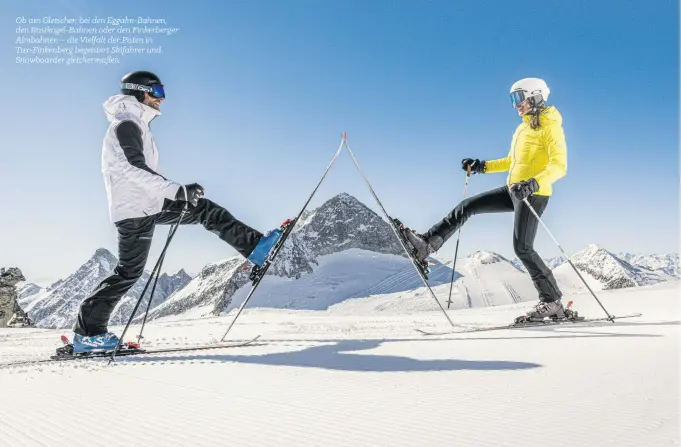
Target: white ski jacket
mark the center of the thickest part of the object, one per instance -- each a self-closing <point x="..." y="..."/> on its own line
<point x="134" y="186"/>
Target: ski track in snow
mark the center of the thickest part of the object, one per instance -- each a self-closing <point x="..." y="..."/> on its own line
<point x="337" y="379"/>
<point x="512" y="293"/>
<point x="469" y="303"/>
<point x="484" y="292"/>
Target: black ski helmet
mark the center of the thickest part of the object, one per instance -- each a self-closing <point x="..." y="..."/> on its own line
<point x="138" y="82"/>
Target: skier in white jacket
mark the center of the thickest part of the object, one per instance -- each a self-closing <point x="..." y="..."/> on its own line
<point x="140" y="197"/>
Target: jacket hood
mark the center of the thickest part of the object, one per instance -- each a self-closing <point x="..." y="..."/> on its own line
<point x="550" y="115"/>
<point x="118" y="105"/>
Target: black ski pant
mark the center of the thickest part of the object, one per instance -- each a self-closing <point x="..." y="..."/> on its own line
<point x="134" y="242"/>
<point x="525" y="225"/>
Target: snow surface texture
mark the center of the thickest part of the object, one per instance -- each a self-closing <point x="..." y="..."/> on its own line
<point x="320" y="378"/>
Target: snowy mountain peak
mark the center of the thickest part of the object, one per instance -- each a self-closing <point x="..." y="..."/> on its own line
<point x="607" y="268"/>
<point x="102" y="258"/>
<point x="103" y="253"/>
<point x="344" y="196"/>
<point x="181" y="272"/>
<point x="342" y="223"/>
<point x="592" y="250"/>
<point x="486" y="257"/>
<point x="180" y="275"/>
<point x="57" y="306"/>
<point x="593" y="253"/>
<point x="212" y="289"/>
<point x="341" y="206"/>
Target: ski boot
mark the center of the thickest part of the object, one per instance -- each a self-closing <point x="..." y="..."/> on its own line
<point x="543" y="311"/>
<point x="267" y="246"/>
<point x="419" y="248"/>
<point x="261" y="251"/>
<point x="99" y="345"/>
<point x="95" y="343"/>
<point x="551" y="312"/>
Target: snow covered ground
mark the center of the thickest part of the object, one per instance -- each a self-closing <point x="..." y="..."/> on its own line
<point x="356" y="376"/>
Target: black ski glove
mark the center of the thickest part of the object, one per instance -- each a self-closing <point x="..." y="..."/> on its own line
<point x="477" y="166"/>
<point x="524" y="189"/>
<point x="190" y="193"/>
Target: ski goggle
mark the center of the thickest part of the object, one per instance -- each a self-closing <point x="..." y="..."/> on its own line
<point x="517" y="97"/>
<point x="155" y="90"/>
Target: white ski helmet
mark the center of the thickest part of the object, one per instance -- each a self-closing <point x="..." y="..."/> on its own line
<point x="533" y="88"/>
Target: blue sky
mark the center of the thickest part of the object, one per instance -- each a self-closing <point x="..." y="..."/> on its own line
<point x="260" y="92"/>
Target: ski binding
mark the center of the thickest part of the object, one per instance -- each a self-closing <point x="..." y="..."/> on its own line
<point x="423" y="266"/>
<point x="257" y="272"/>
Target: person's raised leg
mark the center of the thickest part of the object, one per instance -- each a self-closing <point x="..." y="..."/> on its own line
<point x="496" y="200"/>
<point x="215" y="219"/>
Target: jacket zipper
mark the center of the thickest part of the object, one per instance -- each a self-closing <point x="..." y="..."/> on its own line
<point x="515" y="143"/>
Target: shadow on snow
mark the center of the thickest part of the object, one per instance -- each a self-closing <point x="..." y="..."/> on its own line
<point x="339" y="356"/>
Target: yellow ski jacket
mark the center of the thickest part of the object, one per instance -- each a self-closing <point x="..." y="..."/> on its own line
<point x="540" y="153"/>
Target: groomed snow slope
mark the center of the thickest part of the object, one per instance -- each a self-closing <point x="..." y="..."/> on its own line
<point x="320" y="378"/>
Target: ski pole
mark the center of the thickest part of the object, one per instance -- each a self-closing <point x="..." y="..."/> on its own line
<point x="156" y="269"/>
<point x="392" y="225"/>
<point x="610" y="317"/>
<point x="283" y="237"/>
<point x="456" y="251"/>
<point x="153" y="289"/>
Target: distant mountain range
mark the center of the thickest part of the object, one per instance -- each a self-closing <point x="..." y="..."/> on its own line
<point x="339" y="252"/>
<point x="57" y="306"/>
<point x="643" y="269"/>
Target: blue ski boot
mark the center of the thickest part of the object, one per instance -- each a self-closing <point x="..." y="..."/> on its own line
<point x="261" y="251"/>
<point x="96" y="343"/>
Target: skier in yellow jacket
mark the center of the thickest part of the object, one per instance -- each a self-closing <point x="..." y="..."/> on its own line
<point x="537" y="158"/>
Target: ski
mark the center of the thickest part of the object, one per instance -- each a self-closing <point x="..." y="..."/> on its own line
<point x="532" y="324"/>
<point x="258" y="273"/>
<point x="421" y="267"/>
<point x="127" y="349"/>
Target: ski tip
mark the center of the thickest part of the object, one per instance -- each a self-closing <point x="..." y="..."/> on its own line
<point x="344" y="136"/>
<point x="65" y="340"/>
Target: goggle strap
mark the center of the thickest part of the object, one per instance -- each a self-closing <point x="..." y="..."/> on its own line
<point x="129" y="86"/>
<point x="156" y="90"/>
